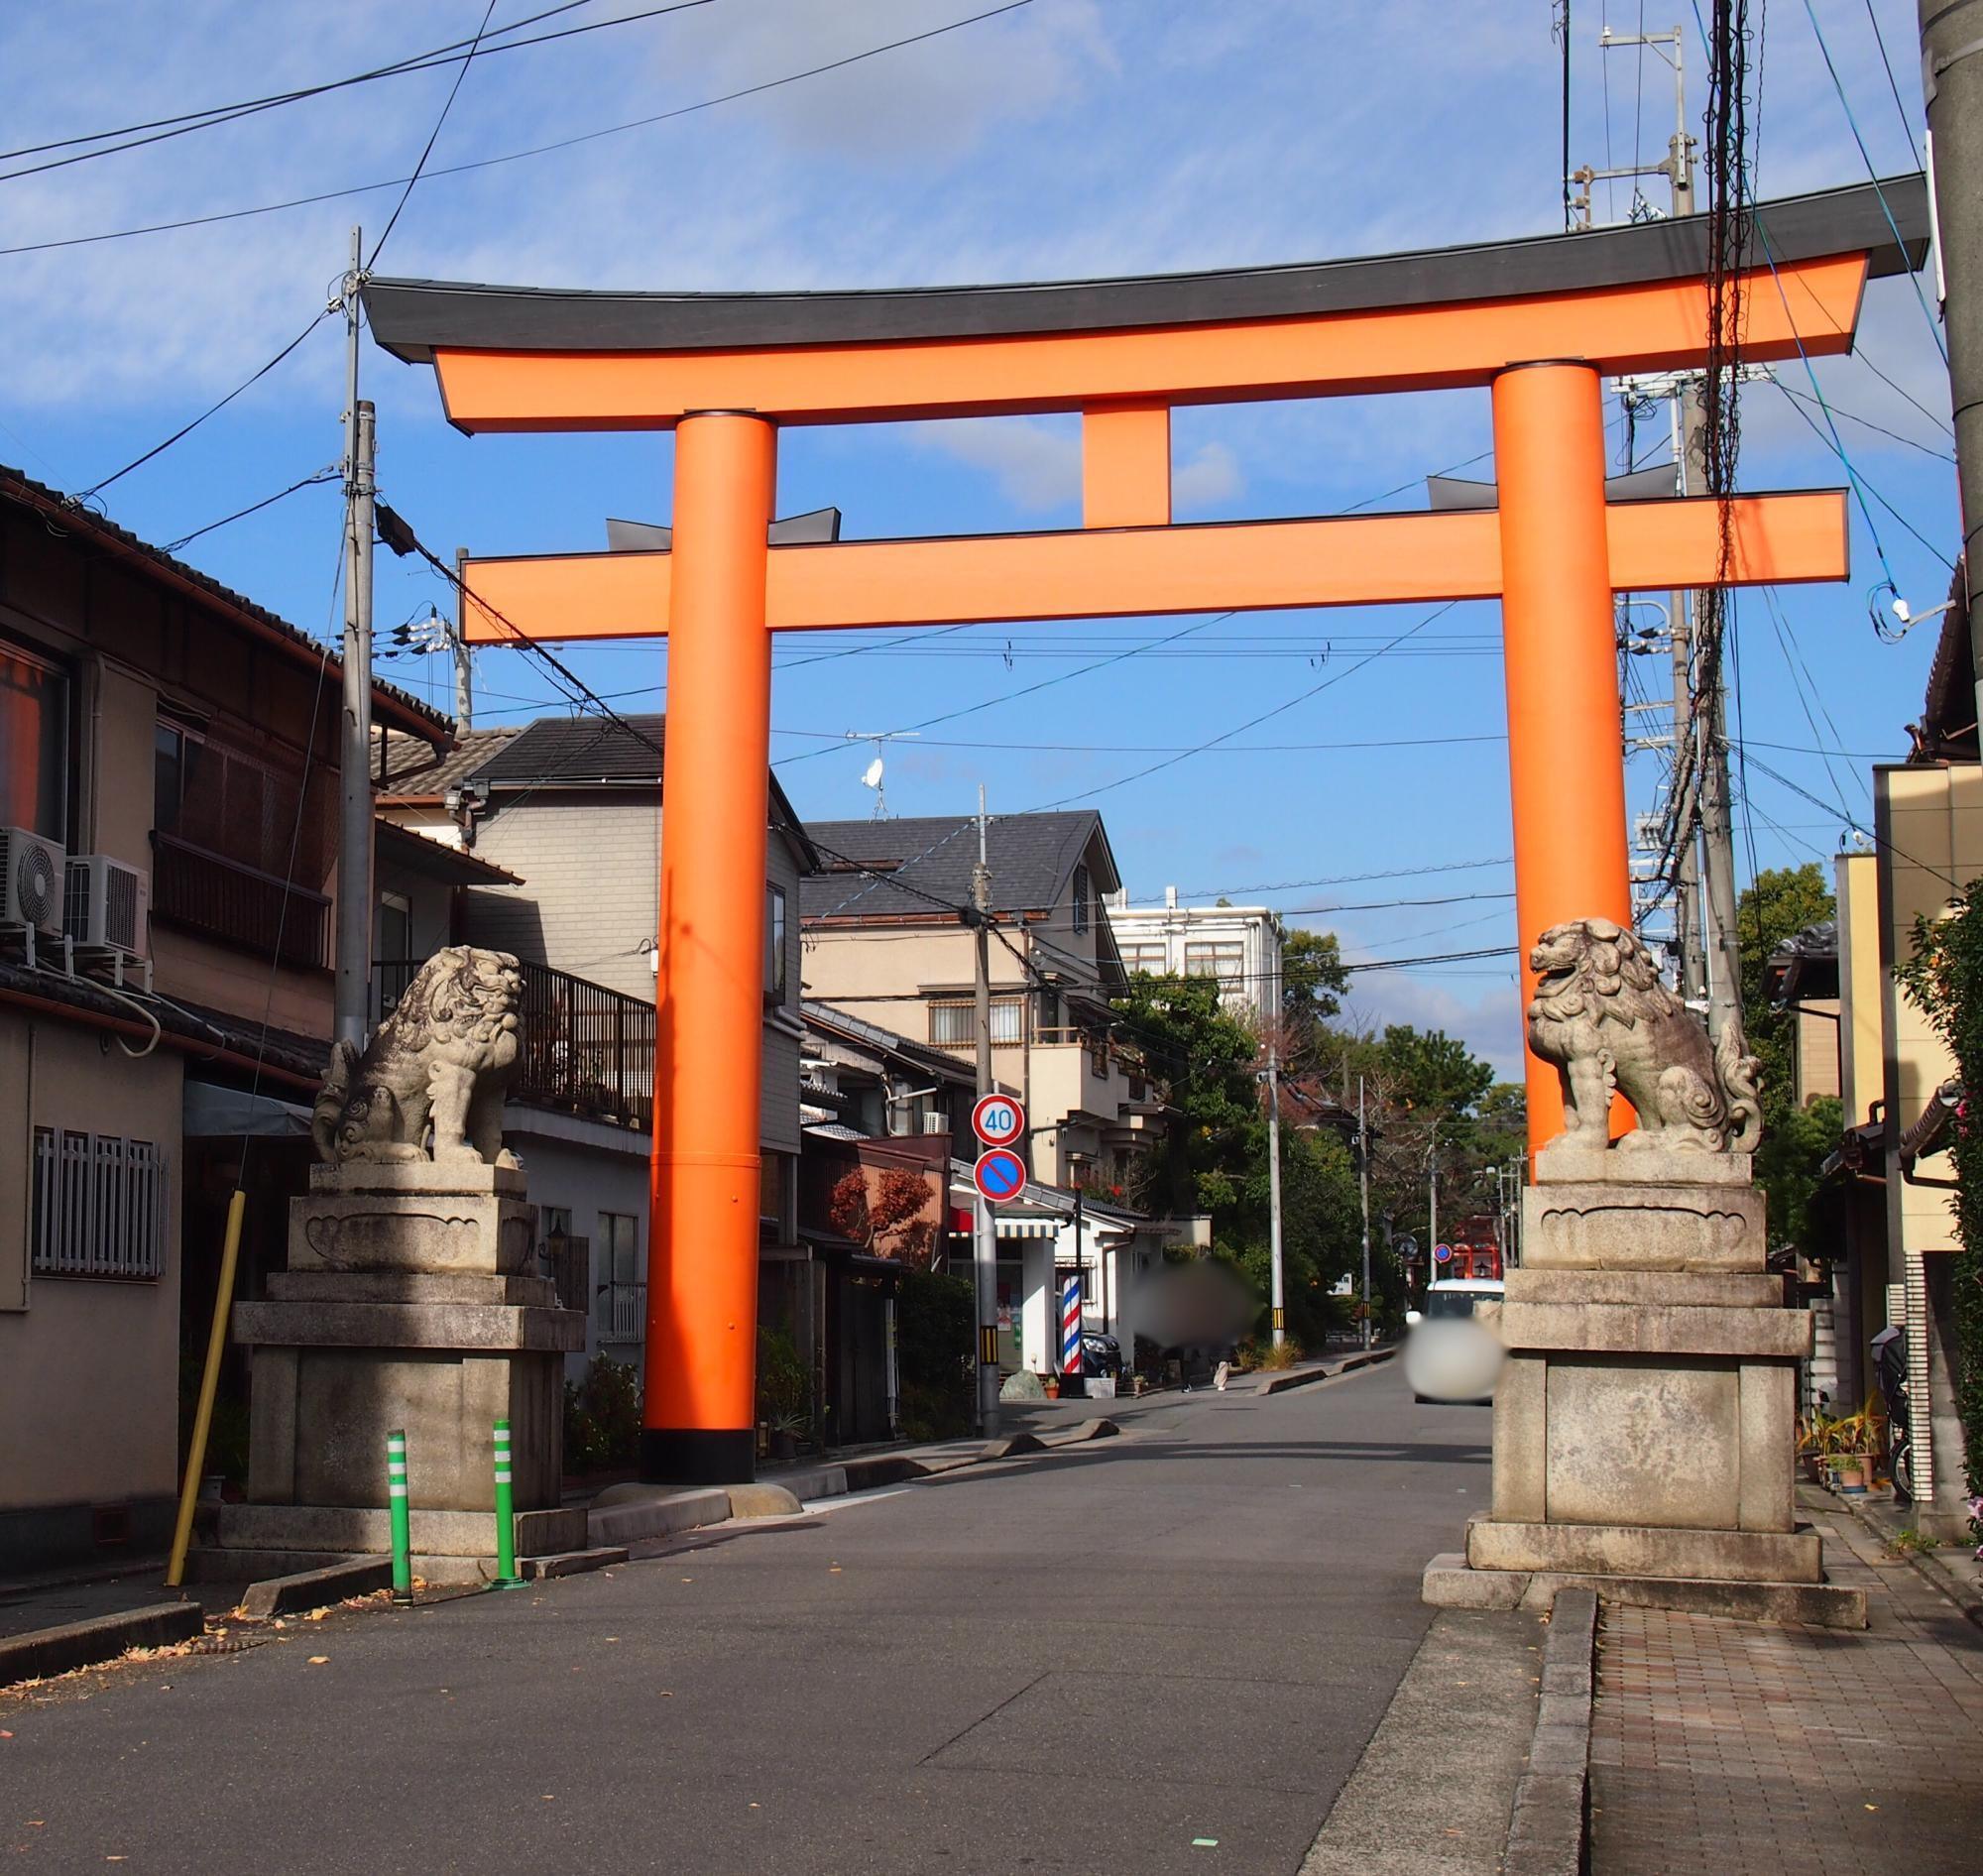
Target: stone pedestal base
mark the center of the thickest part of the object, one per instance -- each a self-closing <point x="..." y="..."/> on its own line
<point x="1644" y="1422"/>
<point x="409" y="1304"/>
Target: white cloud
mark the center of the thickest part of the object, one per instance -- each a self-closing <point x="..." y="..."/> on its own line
<point x="1211" y="476"/>
<point x="1035" y="461"/>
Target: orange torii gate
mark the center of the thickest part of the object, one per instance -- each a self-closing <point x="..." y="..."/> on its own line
<point x="1541" y="321"/>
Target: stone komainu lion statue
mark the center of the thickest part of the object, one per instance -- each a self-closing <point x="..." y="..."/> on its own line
<point x="444" y="1058"/>
<point x="1602" y="1015"/>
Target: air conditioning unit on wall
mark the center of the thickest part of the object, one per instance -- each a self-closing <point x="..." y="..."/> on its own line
<point x="30" y="881"/>
<point x="107" y="905"/>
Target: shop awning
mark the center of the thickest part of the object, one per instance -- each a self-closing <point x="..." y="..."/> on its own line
<point x="212" y="1111"/>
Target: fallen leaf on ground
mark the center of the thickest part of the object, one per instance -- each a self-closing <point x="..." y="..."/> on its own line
<point x="317" y="1661"/>
<point x="316" y="1615"/>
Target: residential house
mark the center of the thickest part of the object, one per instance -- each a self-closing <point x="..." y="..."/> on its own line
<point x="169" y="787"/>
<point x="1239" y="945"/>
<point x="570" y="810"/>
<point x="884" y="941"/>
<point x="1896" y="1078"/>
<point x="881" y="1114"/>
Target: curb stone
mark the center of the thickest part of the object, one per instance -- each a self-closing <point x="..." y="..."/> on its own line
<point x="1551" y="1818"/>
<point x="316" y="1588"/>
<point x="1323" y="1371"/>
<point x="1933" y="1570"/>
<point x="42" y="1651"/>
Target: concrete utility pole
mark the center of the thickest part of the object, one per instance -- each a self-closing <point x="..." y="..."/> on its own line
<point x="464" y="671"/>
<point x="1432" y="1205"/>
<point x="985" y="1247"/>
<point x="1952" y="35"/>
<point x="354" y="852"/>
<point x="1363" y="1188"/>
<point x="1279" y="1299"/>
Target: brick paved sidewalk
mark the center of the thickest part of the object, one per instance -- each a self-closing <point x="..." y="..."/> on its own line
<point x="1728" y="1747"/>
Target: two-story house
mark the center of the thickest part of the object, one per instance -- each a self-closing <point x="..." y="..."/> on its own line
<point x="169" y="780"/>
<point x="570" y="811"/>
<point x="1239" y="945"/>
<point x="884" y="941"/>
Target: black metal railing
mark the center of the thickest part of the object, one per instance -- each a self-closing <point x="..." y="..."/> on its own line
<point x="587" y="1050"/>
<point x="238" y="904"/>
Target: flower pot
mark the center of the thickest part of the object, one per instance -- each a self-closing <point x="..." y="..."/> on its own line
<point x="1051" y="1386"/>
<point x="1852" y="1475"/>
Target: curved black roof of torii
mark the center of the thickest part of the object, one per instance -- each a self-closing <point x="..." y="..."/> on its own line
<point x="411" y="317"/>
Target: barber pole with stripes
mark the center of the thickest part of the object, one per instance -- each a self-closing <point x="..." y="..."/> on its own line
<point x="1070" y="1324"/>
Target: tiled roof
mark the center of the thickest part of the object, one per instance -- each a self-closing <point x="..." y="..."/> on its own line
<point x="934" y="1060"/>
<point x="1030" y="857"/>
<point x="389" y="703"/>
<point x="420" y="782"/>
<point x="591" y="752"/>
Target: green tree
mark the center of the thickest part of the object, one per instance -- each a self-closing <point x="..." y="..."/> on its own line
<point x="1782" y="902"/>
<point x="1313" y="982"/>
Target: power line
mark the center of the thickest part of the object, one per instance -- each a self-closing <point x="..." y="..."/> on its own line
<point x="392" y="220"/>
<point x="186" y="429"/>
<point x="519" y="156"/>
<point x="254" y="508"/>
<point x="185" y="125"/>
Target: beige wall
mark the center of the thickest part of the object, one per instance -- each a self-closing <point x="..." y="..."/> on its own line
<point x="90" y="1368"/>
<point x="1815" y="1068"/>
<point x="1861" y="973"/>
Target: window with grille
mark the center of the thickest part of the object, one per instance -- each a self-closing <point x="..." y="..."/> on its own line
<point x="1081" y="891"/>
<point x="98" y="1207"/>
<point x="954" y="1022"/>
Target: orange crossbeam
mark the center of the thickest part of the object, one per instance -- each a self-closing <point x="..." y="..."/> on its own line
<point x="1243" y="566"/>
<point x="1808" y="306"/>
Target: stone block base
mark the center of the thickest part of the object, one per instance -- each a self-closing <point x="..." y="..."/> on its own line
<point x="1645" y="1550"/>
<point x="447" y="1546"/>
<point x="1449" y="1583"/>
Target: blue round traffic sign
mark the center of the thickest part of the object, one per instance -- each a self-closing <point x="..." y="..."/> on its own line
<point x="1442" y="1254"/>
<point x="999" y="1174"/>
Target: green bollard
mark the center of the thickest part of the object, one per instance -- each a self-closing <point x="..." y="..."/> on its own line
<point x="403" y="1541"/>
<point x="505" y="1512"/>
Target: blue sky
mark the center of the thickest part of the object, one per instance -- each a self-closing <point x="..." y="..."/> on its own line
<point x="1065" y="138"/>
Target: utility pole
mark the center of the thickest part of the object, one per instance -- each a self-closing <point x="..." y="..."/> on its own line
<point x="1432" y="1204"/>
<point x="985" y="1247"/>
<point x="1279" y="1299"/>
<point x="354" y="853"/>
<point x="464" y="671"/>
<point x="1363" y="1188"/>
<point x="1952" y="83"/>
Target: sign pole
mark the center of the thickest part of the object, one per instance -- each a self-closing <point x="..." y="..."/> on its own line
<point x="984" y="1242"/>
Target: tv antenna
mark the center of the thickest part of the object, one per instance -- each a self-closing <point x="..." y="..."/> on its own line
<point x="872" y="775"/>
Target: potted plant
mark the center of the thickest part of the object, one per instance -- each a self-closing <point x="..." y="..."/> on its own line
<point x="1050" y="1385"/>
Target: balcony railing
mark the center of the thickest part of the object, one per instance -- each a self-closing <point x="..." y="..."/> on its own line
<point x="587" y="1050"/>
<point x="623" y="1312"/>
<point x="238" y="904"/>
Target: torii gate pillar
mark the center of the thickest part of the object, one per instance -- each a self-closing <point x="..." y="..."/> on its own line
<point x="702" y="1268"/>
<point x="1565" y="762"/>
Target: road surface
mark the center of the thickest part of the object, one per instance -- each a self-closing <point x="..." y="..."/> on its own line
<point x="1163" y="1652"/>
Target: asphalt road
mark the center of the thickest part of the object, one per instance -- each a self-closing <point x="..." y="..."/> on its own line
<point x="1159" y="1653"/>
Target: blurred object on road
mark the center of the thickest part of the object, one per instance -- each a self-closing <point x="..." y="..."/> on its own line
<point x="1196" y="1305"/>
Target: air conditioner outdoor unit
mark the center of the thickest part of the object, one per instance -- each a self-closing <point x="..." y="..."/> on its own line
<point x="107" y="905"/>
<point x="30" y="881"/>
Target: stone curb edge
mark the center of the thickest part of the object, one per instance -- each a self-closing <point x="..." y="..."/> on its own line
<point x="1937" y="1573"/>
<point x="1327" y="1371"/>
<point x="1548" y="1824"/>
<point x="676" y="1512"/>
<point x="44" y="1652"/>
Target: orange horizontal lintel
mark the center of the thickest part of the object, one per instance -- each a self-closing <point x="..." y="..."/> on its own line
<point x="1811" y="306"/>
<point x="1226" y="567"/>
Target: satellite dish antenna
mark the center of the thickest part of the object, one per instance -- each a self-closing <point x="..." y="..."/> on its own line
<point x="871" y="776"/>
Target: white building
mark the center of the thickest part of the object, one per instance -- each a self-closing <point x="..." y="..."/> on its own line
<point x="1239" y="945"/>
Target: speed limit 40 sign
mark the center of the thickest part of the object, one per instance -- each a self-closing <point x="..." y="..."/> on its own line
<point x="998" y="1119"/>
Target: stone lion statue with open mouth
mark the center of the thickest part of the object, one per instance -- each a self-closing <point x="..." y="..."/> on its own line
<point x="439" y="1064"/>
<point x="1602" y="1015"/>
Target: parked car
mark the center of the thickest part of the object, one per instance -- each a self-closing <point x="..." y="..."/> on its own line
<point x="1100" y="1355"/>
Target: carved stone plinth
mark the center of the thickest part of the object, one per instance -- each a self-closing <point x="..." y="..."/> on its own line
<point x="409" y="1302"/>
<point x="1644" y="1424"/>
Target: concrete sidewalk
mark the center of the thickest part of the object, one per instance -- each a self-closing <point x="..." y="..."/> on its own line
<point x="1723" y="1745"/>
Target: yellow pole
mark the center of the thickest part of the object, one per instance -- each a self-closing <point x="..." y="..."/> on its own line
<point x="202" y="1419"/>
